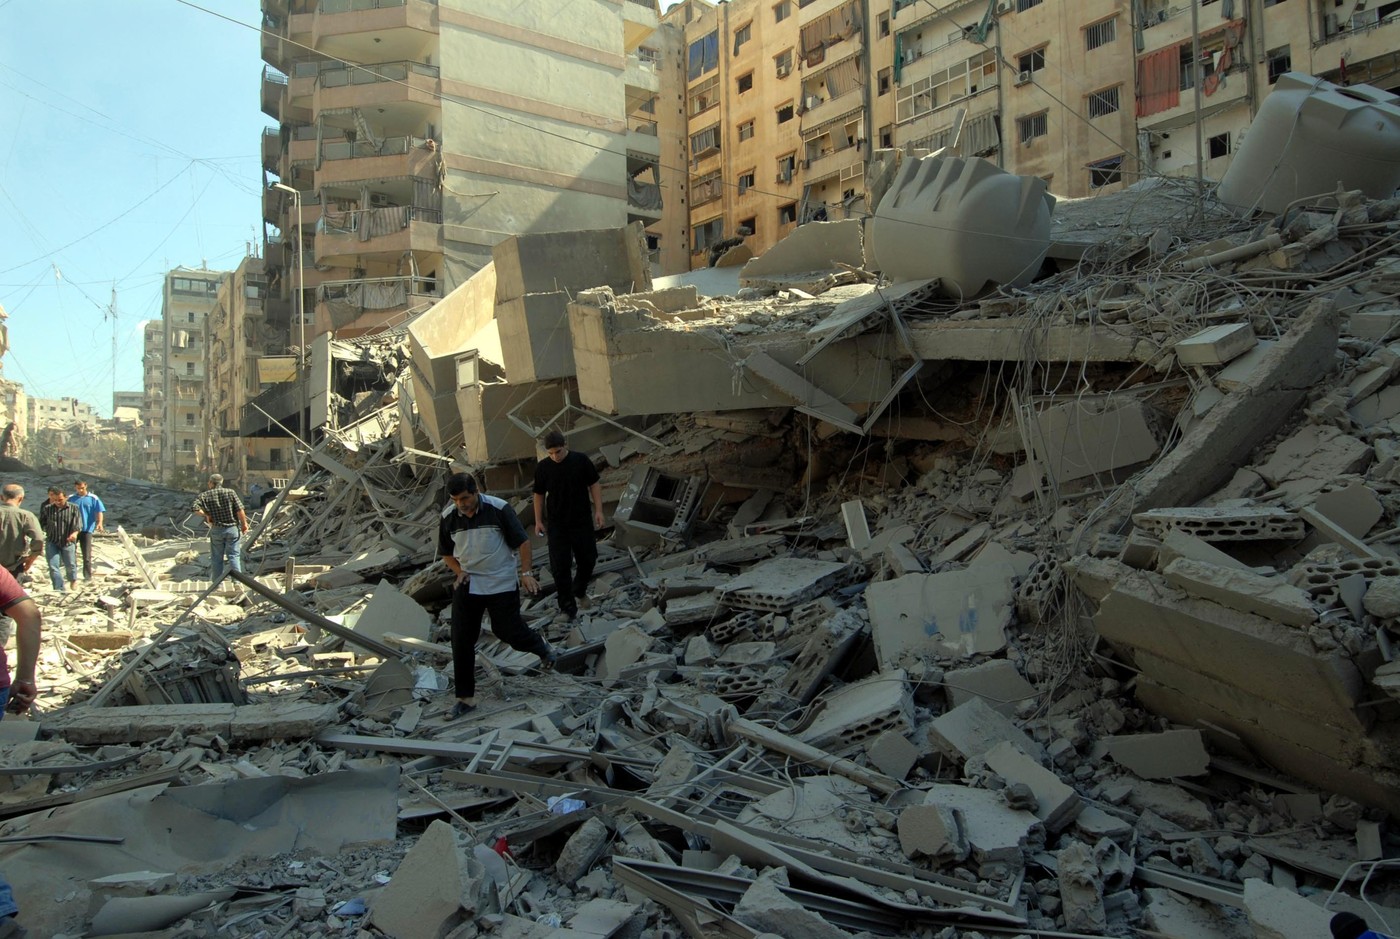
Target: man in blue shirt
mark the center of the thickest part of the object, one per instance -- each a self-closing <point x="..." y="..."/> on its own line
<point x="479" y="538"/>
<point x="91" y="511"/>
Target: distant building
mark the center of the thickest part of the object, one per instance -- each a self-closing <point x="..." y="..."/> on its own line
<point x="175" y="372"/>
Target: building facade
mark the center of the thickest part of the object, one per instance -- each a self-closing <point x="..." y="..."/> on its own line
<point x="174" y="369"/>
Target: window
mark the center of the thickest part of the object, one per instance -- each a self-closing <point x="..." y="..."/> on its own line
<point x="189" y="368"/>
<point x="706" y="188"/>
<point x="708" y="234"/>
<point x="1207" y="69"/>
<point x="884" y="80"/>
<point x="705" y="143"/>
<point x="1101" y="34"/>
<point x="746" y="130"/>
<point x="782" y="11"/>
<point x="884" y="25"/>
<point x="1219" y="145"/>
<point x="787" y="214"/>
<point x="747" y="226"/>
<point x="782" y="63"/>
<point x="786" y="166"/>
<point x="189" y="317"/>
<point x="704" y="55"/>
<point x="785" y="113"/>
<point x="742" y="35"/>
<point x="189" y="419"/>
<point x="1032" y="61"/>
<point x="187" y="446"/>
<point x="274" y="456"/>
<point x="744" y="83"/>
<point x="887" y="136"/>
<point x="1024" y="5"/>
<point x="1103" y="102"/>
<point x="1029" y="128"/>
<point x="1106" y="172"/>
<point x="704" y="96"/>
<point x="746" y="181"/>
<point x="1280" y="61"/>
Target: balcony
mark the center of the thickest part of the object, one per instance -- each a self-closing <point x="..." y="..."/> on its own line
<point x="273" y="84"/>
<point x="282" y="402"/>
<point x="271" y="148"/>
<point x="356" y="307"/>
<point x="346" y="161"/>
<point x="341" y="237"/>
<point x="344" y="21"/>
<point x="848" y="103"/>
<point x="642" y="140"/>
<point x="643" y="201"/>
<point x="641" y="74"/>
<point x="300" y="151"/>
<point x="378" y="86"/>
<point x="831" y="164"/>
<point x="639" y="20"/>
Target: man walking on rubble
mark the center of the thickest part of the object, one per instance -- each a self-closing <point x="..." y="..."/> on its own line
<point x="61" y="524"/>
<point x="92" y="512"/>
<point x="569" y="499"/>
<point x="17" y="696"/>
<point x="21" y="538"/>
<point x="483" y="543"/>
<point x="223" y="513"/>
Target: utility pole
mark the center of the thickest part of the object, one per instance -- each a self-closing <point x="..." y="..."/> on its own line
<point x="1196" y="89"/>
<point x="112" y="310"/>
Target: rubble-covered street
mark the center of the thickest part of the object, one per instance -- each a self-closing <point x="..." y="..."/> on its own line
<point x="1070" y="610"/>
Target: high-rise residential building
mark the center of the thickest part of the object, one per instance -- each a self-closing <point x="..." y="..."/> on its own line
<point x="419" y="133"/>
<point x="175" y="366"/>
<point x="152" y="398"/>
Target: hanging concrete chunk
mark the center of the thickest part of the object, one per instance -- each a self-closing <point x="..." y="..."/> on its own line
<point x="1160" y="756"/>
<point x="964" y="221"/>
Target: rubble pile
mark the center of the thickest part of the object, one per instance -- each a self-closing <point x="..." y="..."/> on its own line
<point x="1089" y="630"/>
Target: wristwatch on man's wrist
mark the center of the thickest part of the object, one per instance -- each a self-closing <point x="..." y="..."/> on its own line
<point x="528" y="572"/>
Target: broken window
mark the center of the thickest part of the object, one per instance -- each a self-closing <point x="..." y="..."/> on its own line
<point x="708" y="234"/>
<point x="787" y="214"/>
<point x="1206" y="68"/>
<point x="886" y="135"/>
<point x="1033" y="61"/>
<point x="785" y="113"/>
<point x="884" y="25"/>
<point x="782" y="11"/>
<point x="1280" y="61"/>
<point x="704" y="55"/>
<point x="1103" y="102"/>
<point x="744" y="83"/>
<point x="1033" y="126"/>
<point x="746" y="181"/>
<point x="704" y="143"/>
<point x="749" y="225"/>
<point x="1106" y="172"/>
<point x="1100" y="34"/>
<point x="1219" y="145"/>
<point x="706" y="188"/>
<point x="786" y="166"/>
<point x="884" y="81"/>
<point x="746" y="130"/>
<point x="704" y="96"/>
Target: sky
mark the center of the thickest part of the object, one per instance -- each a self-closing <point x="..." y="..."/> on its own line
<point x="133" y="148"/>
<point x="133" y="133"/>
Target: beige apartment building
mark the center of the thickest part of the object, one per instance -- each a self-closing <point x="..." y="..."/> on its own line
<point x="787" y="101"/>
<point x="418" y="134"/>
<point x="174" y="367"/>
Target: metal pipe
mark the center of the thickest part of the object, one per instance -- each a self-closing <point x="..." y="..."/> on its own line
<point x="380" y="649"/>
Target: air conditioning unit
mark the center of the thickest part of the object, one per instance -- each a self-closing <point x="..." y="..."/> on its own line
<point x="1023" y="78"/>
<point x="784" y="71"/>
<point x="378" y="200"/>
<point x="811" y="101"/>
<point x="1003" y="9"/>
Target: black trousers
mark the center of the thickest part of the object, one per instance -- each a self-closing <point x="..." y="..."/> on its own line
<point x="506" y="622"/>
<point x="85" y="546"/>
<point x="569" y="547"/>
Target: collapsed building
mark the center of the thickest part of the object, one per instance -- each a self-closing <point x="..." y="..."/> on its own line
<point x="1048" y="589"/>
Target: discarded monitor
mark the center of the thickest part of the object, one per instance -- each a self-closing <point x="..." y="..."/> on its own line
<point x="657" y="507"/>
<point x="966" y="222"/>
<point x="1310" y="137"/>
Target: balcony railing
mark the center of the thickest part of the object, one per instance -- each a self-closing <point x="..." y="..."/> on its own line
<point x="350" y="6"/>
<point x="371" y="223"/>
<point x="360" y="149"/>
<point x="642" y="125"/>
<point x="369" y="74"/>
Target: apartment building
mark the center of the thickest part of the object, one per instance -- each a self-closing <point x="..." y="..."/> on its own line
<point x="14" y="417"/>
<point x="418" y="134"/>
<point x="59" y="412"/>
<point x="151" y="436"/>
<point x="175" y="372"/>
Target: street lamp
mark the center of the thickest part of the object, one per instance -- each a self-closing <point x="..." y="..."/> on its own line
<point x="302" y="377"/>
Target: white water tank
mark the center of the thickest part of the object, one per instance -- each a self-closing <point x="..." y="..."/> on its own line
<point x="1311" y="136"/>
<point x="967" y="222"/>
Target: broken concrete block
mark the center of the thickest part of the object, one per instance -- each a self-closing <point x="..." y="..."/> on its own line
<point x="766" y="908"/>
<point x="1270" y="597"/>
<point x="779" y="584"/>
<point x="998" y="683"/>
<point x="1374" y="325"/>
<point x="1081" y="892"/>
<point x="139" y="724"/>
<point x="623" y="648"/>
<point x="1216" y="345"/>
<point x="1283" y="914"/>
<point x="816" y="246"/>
<point x="1178" y="544"/>
<point x="1223" y="524"/>
<point x="1080" y="438"/>
<point x="862" y="712"/>
<point x="1160" y="756"/>
<point x="281" y="720"/>
<point x="389" y="611"/>
<point x="1058" y="803"/>
<point x="423" y="899"/>
<point x="932" y="831"/>
<point x="995" y="833"/>
<point x="1176" y="916"/>
<point x="950" y="613"/>
<point x="1382" y="598"/>
<point x="974" y="727"/>
<point x="1093" y="824"/>
<point x="1318" y="452"/>
<point x="893" y="754"/>
<point x="1171" y="803"/>
<point x="1140" y="550"/>
<point x="582" y="850"/>
<point x="857" y="529"/>
<point x="1354" y="509"/>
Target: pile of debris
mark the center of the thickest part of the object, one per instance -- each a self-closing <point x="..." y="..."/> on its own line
<point x="1084" y="625"/>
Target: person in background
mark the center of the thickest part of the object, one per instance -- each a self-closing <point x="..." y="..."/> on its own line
<point x="223" y="513"/>
<point x="17" y="696"/>
<point x="1351" y="926"/>
<point x="91" y="511"/>
<point x="21" y="538"/>
<point x="61" y="524"/>
<point x="569" y="505"/>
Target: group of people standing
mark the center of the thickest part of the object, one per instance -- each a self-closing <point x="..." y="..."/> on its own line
<point x="64" y="527"/>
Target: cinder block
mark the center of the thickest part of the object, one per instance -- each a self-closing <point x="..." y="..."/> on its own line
<point x="1058" y="804"/>
<point x="1216" y="345"/>
<point x="972" y="728"/>
<point x="1224" y="524"/>
<point x="1375" y="325"/>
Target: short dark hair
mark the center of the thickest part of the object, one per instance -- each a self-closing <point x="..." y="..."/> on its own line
<point x="1347" y="926"/>
<point x="54" y="490"/>
<point x="459" y="483"/>
<point x="555" y="438"/>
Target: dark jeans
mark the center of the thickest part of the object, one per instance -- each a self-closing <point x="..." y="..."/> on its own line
<point x="506" y="622"/>
<point x="85" y="547"/>
<point x="566" y="548"/>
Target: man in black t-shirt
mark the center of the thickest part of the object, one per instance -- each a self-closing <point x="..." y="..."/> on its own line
<point x="569" y="499"/>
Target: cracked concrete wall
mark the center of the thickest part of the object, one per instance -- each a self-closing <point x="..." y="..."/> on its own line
<point x="435" y="339"/>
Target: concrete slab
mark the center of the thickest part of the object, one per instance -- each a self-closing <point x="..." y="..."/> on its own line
<point x="1081" y="438"/>
<point x="1160" y="756"/>
<point x="535" y="341"/>
<point x="971" y="729"/>
<point x="1316" y="451"/>
<point x="1270" y="597"/>
<point x="1058" y="804"/>
<point x="622" y="648"/>
<point x="933" y="831"/>
<point x="995" y="832"/>
<point x="1179" y="544"/>
<point x="423" y="899"/>
<point x="997" y="683"/>
<point x="570" y="261"/>
<point x="1216" y="345"/>
<point x="1276" y="913"/>
<point x="815" y="246"/>
<point x="389" y="611"/>
<point x="1238" y="372"/>
<point x="862" y="712"/>
<point x="1355" y="508"/>
<point x="893" y="754"/>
